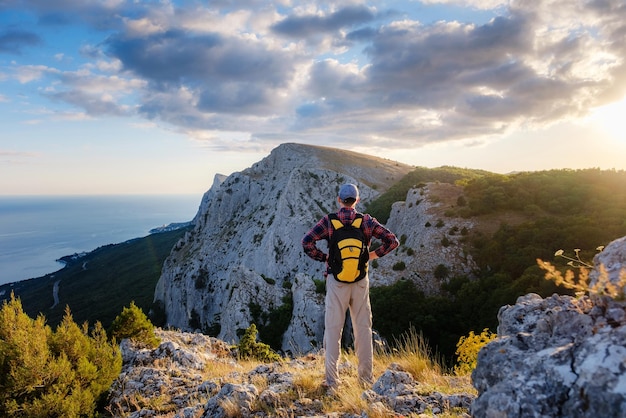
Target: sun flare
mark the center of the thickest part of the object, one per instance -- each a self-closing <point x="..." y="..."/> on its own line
<point x="612" y="119"/>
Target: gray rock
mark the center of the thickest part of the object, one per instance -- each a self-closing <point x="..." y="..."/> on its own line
<point x="155" y="382"/>
<point x="556" y="357"/>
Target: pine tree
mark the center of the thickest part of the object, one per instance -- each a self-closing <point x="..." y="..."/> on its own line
<point x="45" y="373"/>
<point x="134" y="324"/>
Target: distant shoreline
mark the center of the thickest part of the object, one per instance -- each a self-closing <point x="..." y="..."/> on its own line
<point x="41" y="234"/>
<point x="72" y="258"/>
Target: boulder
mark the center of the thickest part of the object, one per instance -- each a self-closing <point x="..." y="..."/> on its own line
<point x="557" y="357"/>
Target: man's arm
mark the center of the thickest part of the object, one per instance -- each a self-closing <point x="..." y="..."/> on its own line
<point x="388" y="238"/>
<point x="318" y="232"/>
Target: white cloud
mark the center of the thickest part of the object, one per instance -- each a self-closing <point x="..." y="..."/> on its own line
<point x="477" y="4"/>
<point x="358" y="71"/>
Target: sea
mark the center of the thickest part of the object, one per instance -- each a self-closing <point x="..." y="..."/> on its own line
<point x="36" y="231"/>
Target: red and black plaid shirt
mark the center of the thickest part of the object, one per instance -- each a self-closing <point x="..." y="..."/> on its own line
<point x="371" y="227"/>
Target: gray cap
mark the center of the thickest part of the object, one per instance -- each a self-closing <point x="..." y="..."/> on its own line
<point x="348" y="191"/>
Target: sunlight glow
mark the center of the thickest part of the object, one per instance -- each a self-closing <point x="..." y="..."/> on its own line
<point x="612" y="120"/>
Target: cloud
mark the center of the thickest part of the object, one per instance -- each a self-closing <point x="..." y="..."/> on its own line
<point x="475" y="80"/>
<point x="311" y="71"/>
<point x="96" y="94"/>
<point x="477" y="4"/>
<point x="225" y="74"/>
<point x="314" y="24"/>
<point x="13" y="41"/>
<point x="10" y="157"/>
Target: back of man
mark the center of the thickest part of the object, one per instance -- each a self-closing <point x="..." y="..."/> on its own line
<point x="342" y="295"/>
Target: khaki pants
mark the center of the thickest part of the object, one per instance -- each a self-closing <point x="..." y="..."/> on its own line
<point x="339" y="298"/>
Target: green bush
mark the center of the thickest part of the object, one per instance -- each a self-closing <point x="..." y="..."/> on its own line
<point x="134" y="324"/>
<point x="399" y="266"/>
<point x="320" y="286"/>
<point x="441" y="271"/>
<point x="52" y="374"/>
<point x="249" y="348"/>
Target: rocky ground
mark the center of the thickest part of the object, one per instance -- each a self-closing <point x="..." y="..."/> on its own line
<point x="193" y="375"/>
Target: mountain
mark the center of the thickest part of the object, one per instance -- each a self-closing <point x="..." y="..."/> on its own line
<point x="243" y="262"/>
<point x="470" y="241"/>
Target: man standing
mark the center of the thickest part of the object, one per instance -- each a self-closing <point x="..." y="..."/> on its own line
<point x="341" y="296"/>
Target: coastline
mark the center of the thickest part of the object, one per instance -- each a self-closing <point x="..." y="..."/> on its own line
<point x="41" y="234"/>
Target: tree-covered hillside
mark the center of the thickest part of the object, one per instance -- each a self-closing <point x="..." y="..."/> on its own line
<point x="519" y="218"/>
<point x="381" y="207"/>
<point x="99" y="284"/>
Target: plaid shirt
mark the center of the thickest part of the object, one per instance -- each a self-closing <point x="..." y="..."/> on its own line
<point x="371" y="228"/>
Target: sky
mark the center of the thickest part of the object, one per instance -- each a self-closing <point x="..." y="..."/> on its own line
<point x="156" y="97"/>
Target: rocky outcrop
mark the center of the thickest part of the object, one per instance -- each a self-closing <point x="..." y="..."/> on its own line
<point x="560" y="356"/>
<point x="431" y="241"/>
<point x="243" y="261"/>
<point x="611" y="266"/>
<point x="177" y="380"/>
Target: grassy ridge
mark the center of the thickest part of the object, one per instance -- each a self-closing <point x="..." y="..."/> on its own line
<point x="98" y="285"/>
<point x="381" y="207"/>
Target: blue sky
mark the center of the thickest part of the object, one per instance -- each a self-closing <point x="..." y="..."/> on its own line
<point x="126" y="97"/>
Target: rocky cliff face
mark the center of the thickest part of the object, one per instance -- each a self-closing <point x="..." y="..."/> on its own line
<point x="244" y="259"/>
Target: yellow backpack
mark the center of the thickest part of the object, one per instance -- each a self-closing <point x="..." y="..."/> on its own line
<point x="348" y="251"/>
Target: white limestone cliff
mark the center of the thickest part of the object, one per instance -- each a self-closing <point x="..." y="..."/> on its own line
<point x="245" y="250"/>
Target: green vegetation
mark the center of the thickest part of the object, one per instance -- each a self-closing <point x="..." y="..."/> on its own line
<point x="134" y="324"/>
<point x="249" y="348"/>
<point x="381" y="207"/>
<point x="274" y="322"/>
<point x="401" y="306"/>
<point x="98" y="285"/>
<point x="521" y="218"/>
<point x="45" y="373"/>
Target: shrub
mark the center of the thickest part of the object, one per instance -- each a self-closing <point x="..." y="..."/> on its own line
<point x="399" y="266"/>
<point x="45" y="373"/>
<point x="320" y="286"/>
<point x="403" y="239"/>
<point x="441" y="271"/>
<point x="249" y="348"/>
<point x="467" y="350"/>
<point x="134" y="324"/>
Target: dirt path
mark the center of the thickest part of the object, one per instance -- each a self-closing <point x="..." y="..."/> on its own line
<point x="55" y="293"/>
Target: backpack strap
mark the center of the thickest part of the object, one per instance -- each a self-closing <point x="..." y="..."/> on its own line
<point x="337" y="224"/>
<point x="334" y="221"/>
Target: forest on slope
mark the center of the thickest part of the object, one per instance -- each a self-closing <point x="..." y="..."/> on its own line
<point x="521" y="217"/>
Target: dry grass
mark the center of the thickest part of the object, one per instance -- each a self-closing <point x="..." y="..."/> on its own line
<point x="411" y="356"/>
